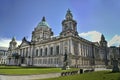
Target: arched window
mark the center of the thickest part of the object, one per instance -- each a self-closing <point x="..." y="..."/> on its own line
<point x="36" y="52"/>
<point x="40" y="52"/>
<point x="45" y="51"/>
<point x="57" y="49"/>
<point x="51" y="50"/>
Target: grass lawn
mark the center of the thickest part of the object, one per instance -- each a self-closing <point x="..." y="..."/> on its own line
<point x="100" y="75"/>
<point x="16" y="70"/>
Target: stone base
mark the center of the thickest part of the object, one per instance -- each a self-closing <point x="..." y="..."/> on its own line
<point x="115" y="70"/>
<point x="65" y="67"/>
<point x="115" y="66"/>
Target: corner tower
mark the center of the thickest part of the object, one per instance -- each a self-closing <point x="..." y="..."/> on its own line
<point x="104" y="49"/>
<point x="13" y="44"/>
<point x="69" y="25"/>
<point x="103" y="42"/>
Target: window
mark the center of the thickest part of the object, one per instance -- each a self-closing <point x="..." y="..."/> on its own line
<point x="40" y="52"/>
<point x="57" y="49"/>
<point x="49" y="61"/>
<point x="36" y="52"/>
<point x="26" y="52"/>
<point x="57" y="61"/>
<point x="45" y="51"/>
<point x="51" y="50"/>
<point x="21" y="52"/>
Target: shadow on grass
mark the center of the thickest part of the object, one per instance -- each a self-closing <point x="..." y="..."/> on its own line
<point x="111" y="72"/>
<point x="118" y="77"/>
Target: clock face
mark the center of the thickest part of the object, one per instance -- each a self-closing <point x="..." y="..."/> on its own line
<point x="104" y="44"/>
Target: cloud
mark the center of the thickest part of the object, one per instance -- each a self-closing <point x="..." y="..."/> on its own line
<point x="115" y="41"/>
<point x="93" y="36"/>
<point x="4" y="42"/>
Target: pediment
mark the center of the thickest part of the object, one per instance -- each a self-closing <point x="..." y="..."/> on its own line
<point x="24" y="43"/>
<point x="96" y="43"/>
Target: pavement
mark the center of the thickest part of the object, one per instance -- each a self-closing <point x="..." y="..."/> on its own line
<point x="29" y="77"/>
<point x="102" y="69"/>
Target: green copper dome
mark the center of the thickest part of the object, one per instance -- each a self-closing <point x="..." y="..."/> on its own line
<point x="43" y="23"/>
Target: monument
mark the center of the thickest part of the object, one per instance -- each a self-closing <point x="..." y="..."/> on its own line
<point x="115" y="66"/>
<point x="65" y="62"/>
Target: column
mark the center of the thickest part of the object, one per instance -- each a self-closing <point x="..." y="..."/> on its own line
<point x="72" y="48"/>
<point x="54" y="49"/>
<point x="48" y="50"/>
<point x="61" y="48"/>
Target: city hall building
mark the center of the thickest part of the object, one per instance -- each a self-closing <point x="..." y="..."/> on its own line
<point x="45" y="50"/>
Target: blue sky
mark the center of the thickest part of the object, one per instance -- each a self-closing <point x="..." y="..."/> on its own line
<point x="19" y="17"/>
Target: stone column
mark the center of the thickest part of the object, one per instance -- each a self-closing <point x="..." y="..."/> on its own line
<point x="48" y="50"/>
<point x="54" y="49"/>
<point x="71" y="50"/>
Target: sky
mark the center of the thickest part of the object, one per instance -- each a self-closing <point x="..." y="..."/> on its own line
<point x="18" y="18"/>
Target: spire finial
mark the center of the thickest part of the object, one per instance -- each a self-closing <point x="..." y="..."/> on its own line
<point x="43" y="19"/>
<point x="24" y="39"/>
<point x="69" y="14"/>
<point x="102" y="37"/>
<point x="68" y="10"/>
<point x="13" y="39"/>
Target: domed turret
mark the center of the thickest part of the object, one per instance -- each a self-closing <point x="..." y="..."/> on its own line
<point x="43" y="24"/>
<point x="42" y="31"/>
<point x="69" y="25"/>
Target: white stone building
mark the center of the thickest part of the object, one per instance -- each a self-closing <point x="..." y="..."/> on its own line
<point x="3" y="55"/>
<point x="44" y="50"/>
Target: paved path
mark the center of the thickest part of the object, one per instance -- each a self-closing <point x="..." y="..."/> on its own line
<point x="102" y="69"/>
<point x="29" y="77"/>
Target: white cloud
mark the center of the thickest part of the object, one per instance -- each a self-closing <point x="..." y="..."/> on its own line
<point x="115" y="41"/>
<point x="4" y="42"/>
<point x="93" y="36"/>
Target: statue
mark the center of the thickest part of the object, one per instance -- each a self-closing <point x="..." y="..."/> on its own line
<point x="115" y="66"/>
<point x="65" y="63"/>
<point x="65" y="57"/>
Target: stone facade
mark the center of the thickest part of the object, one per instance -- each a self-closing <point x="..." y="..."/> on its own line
<point x="3" y="55"/>
<point x="45" y="50"/>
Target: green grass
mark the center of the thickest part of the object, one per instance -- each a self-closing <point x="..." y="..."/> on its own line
<point x="101" y="75"/>
<point x="10" y="67"/>
<point x="16" y="70"/>
<point x="28" y="71"/>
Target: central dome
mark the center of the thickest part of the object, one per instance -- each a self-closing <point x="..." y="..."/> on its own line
<point x="43" y="23"/>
